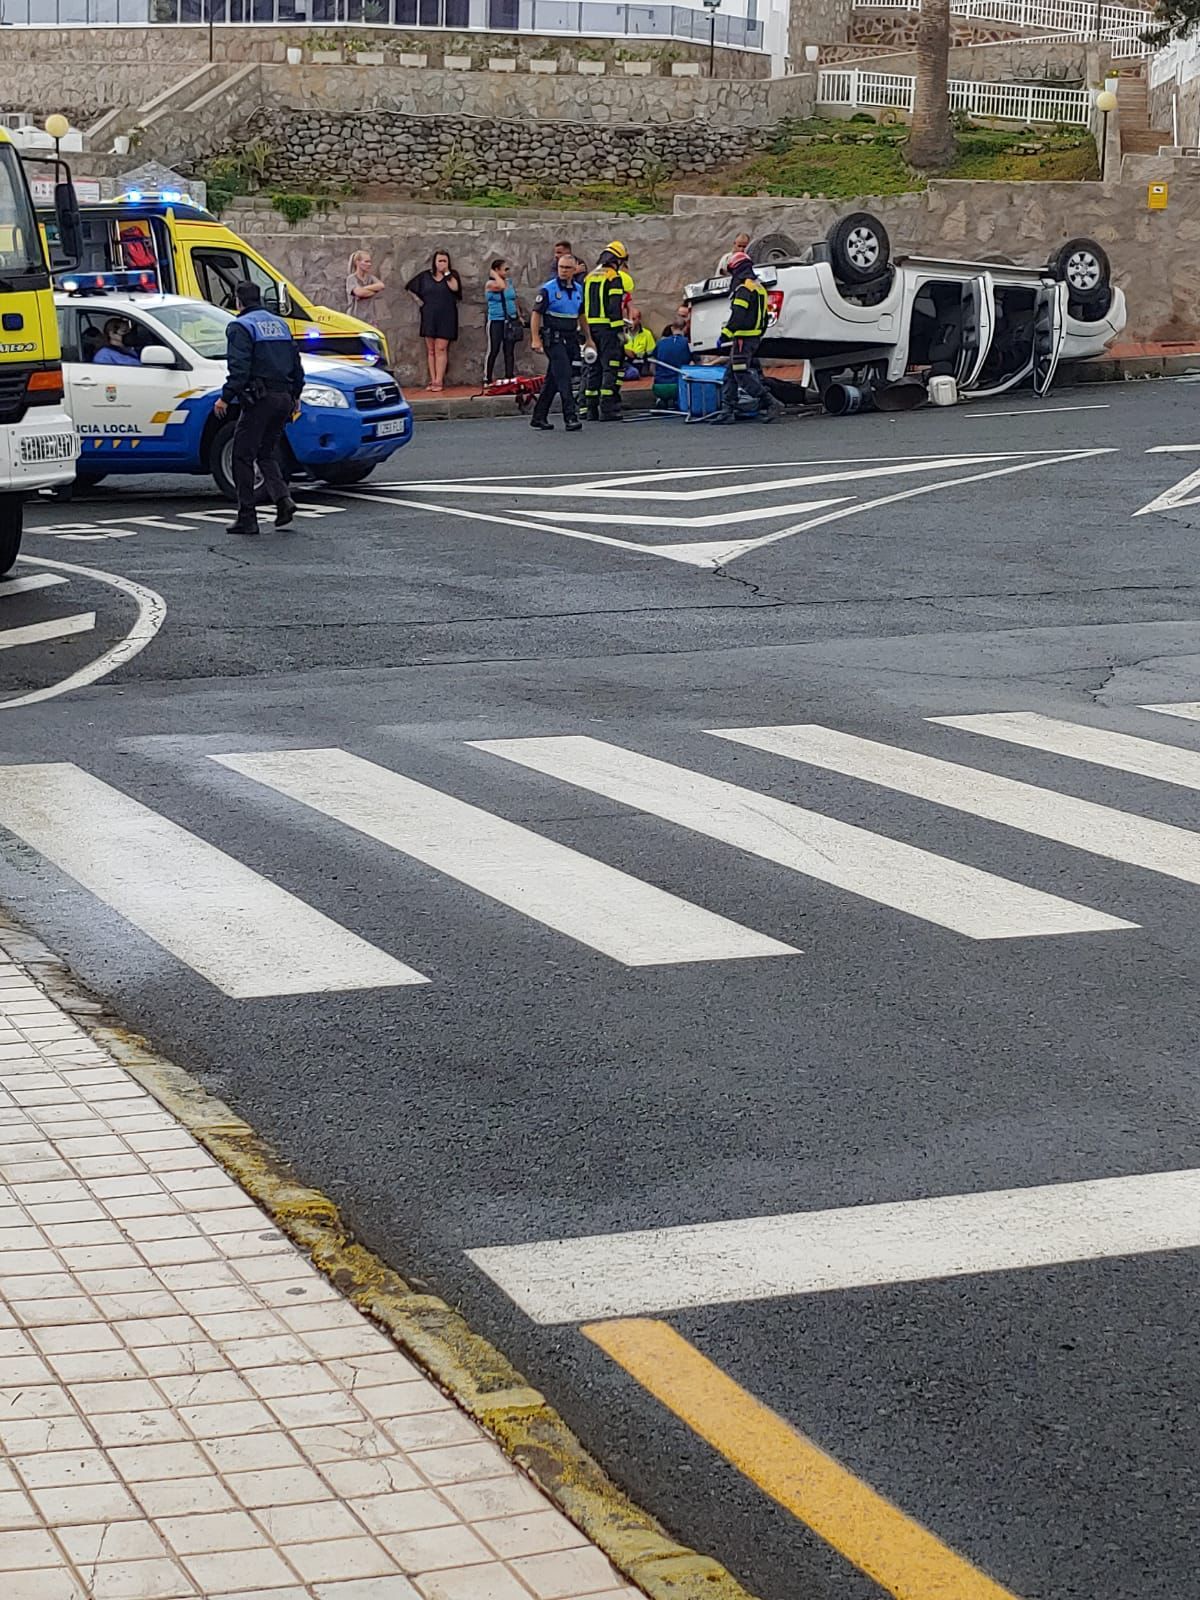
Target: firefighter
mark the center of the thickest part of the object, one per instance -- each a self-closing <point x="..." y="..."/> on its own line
<point x="557" y="330"/>
<point x="606" y="292"/>
<point x="742" y="334"/>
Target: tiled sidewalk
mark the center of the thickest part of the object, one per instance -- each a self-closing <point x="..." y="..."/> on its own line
<point x="188" y="1408"/>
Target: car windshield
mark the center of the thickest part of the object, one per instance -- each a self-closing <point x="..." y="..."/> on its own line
<point x="20" y="246"/>
<point x="199" y="325"/>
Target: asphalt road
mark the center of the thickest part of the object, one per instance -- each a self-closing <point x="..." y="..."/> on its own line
<point x="817" y="1019"/>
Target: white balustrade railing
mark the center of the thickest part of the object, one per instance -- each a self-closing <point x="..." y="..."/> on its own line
<point x="1001" y="102"/>
<point x="1081" y="19"/>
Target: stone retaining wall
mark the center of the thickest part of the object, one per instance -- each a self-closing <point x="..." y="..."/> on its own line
<point x="1070" y="62"/>
<point x="314" y="149"/>
<point x="539" y="97"/>
<point x="899" y="29"/>
<point x="1153" y="253"/>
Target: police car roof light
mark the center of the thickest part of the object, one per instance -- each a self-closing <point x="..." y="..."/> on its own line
<point x="110" y="282"/>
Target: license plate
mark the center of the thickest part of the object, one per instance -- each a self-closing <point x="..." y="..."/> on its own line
<point x="385" y="430"/>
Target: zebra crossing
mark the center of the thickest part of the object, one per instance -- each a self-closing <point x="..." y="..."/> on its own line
<point x="15" y="635"/>
<point x="250" y="938"/>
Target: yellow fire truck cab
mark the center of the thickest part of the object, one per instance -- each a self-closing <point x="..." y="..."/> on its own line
<point x="38" y="441"/>
<point x="189" y="252"/>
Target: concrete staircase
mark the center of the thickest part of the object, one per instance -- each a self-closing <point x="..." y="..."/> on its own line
<point x="190" y="117"/>
<point x="1137" y="136"/>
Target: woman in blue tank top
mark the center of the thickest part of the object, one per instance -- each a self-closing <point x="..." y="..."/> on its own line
<point x="502" y="314"/>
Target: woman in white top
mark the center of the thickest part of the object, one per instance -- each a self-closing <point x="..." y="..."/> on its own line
<point x="362" y="286"/>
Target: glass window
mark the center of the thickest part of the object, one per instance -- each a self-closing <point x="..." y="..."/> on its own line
<point x="20" y="243"/>
<point x="219" y="271"/>
<point x="201" y="327"/>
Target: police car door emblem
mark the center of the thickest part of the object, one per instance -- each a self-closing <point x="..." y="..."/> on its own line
<point x="110" y="392"/>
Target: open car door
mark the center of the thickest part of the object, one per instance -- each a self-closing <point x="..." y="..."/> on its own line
<point x="978" y="329"/>
<point x="1049" y="333"/>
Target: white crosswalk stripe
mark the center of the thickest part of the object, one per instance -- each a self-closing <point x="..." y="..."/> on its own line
<point x="35" y="580"/>
<point x="815" y="1252"/>
<point x="893" y="874"/>
<point x="1189" y="709"/>
<point x="607" y="910"/>
<point x="1082" y="824"/>
<point x="243" y="933"/>
<point x="1124" y="752"/>
<point x="45" y="632"/>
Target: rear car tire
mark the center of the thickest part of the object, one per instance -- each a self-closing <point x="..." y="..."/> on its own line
<point x="1083" y="266"/>
<point x="341" y="473"/>
<point x="771" y="247"/>
<point x="859" y="247"/>
<point x="12" y="520"/>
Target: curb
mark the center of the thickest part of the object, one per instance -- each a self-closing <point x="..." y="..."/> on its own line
<point x="471" y="1370"/>
<point x="1096" y="369"/>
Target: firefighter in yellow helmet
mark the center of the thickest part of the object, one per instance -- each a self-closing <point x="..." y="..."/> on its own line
<point x="741" y="337"/>
<point x="606" y="292"/>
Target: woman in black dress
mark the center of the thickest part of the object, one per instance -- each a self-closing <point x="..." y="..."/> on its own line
<point x="439" y="292"/>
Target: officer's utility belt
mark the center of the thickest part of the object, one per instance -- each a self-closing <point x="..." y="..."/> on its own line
<point x="566" y="331"/>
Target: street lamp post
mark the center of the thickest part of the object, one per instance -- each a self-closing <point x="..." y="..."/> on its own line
<point x="712" y="7"/>
<point x="57" y="127"/>
<point x="1106" y="102"/>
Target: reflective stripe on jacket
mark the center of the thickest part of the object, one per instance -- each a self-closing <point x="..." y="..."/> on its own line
<point x="747" y="311"/>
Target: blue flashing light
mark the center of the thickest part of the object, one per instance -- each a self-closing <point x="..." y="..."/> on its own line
<point x="172" y="194"/>
<point x="131" y="282"/>
<point x="134" y="194"/>
<point x="313" y="333"/>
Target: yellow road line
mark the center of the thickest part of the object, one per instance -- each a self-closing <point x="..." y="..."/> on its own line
<point x="901" y="1556"/>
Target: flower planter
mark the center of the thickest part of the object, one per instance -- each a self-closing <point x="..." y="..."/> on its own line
<point x="592" y="69"/>
<point x="410" y="58"/>
<point x="369" y="58"/>
<point x="636" y="69"/>
<point x="327" y="58"/>
<point x="550" y="65"/>
<point x="685" y="69"/>
<point x="295" y="55"/>
<point x="502" y="63"/>
<point x="456" y="63"/>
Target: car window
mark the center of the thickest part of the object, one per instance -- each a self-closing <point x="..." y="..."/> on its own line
<point x="91" y="331"/>
<point x="68" y="333"/>
<point x="219" y="271"/>
<point x="200" y="326"/>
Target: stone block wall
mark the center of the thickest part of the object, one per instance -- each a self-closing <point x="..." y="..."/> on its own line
<point x="540" y="97"/>
<point x="1069" y="63"/>
<point x="898" y="28"/>
<point x="316" y="148"/>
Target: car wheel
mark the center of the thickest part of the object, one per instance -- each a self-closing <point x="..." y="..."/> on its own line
<point x="859" y="247"/>
<point x="1083" y="266"/>
<point x="12" y="517"/>
<point x="346" y="472"/>
<point x="220" y="463"/>
<point x="774" y="247"/>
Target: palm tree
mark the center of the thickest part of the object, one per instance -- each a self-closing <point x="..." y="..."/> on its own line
<point x="930" y="144"/>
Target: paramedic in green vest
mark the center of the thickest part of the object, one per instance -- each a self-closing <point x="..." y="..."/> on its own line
<point x="557" y="330"/>
<point x="741" y="337"/>
<point x="606" y="293"/>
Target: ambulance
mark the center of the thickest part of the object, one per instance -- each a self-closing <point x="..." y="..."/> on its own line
<point x="191" y="253"/>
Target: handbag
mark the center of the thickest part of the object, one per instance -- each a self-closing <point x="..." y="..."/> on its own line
<point x="513" y="330"/>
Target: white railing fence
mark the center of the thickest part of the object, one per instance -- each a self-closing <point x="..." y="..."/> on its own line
<point x="1003" y="102"/>
<point x="1081" y="19"/>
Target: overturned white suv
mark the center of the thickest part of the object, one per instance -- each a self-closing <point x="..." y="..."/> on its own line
<point x="867" y="323"/>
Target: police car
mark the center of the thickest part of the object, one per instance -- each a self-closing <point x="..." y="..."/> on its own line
<point x="856" y="314"/>
<point x="156" y="416"/>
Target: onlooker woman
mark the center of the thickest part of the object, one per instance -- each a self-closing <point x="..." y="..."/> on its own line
<point x="361" y="287"/>
<point x="503" y="318"/>
<point x="439" y="292"/>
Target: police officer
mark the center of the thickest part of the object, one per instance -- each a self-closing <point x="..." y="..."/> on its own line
<point x="742" y="334"/>
<point x="606" y="291"/>
<point x="265" y="380"/>
<point x="557" y="329"/>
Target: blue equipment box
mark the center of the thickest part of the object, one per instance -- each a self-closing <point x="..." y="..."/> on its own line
<point x="700" y="390"/>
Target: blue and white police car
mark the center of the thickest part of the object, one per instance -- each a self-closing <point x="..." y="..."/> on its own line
<point x="153" y="413"/>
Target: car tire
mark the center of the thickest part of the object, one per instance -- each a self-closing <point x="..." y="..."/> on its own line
<point x="12" y="520"/>
<point x="859" y="248"/>
<point x="772" y="247"/>
<point x="220" y="462"/>
<point x="1083" y="266"/>
<point x="344" y="473"/>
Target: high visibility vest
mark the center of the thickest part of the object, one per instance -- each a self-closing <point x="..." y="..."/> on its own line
<point x="748" y="310"/>
<point x="604" y="292"/>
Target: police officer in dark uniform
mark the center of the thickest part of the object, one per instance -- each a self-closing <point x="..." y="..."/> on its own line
<point x="265" y="380"/>
<point x="742" y="335"/>
<point x="556" y="328"/>
<point x="605" y="292"/>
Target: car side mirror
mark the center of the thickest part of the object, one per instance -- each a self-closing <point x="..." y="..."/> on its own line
<point x="157" y="355"/>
